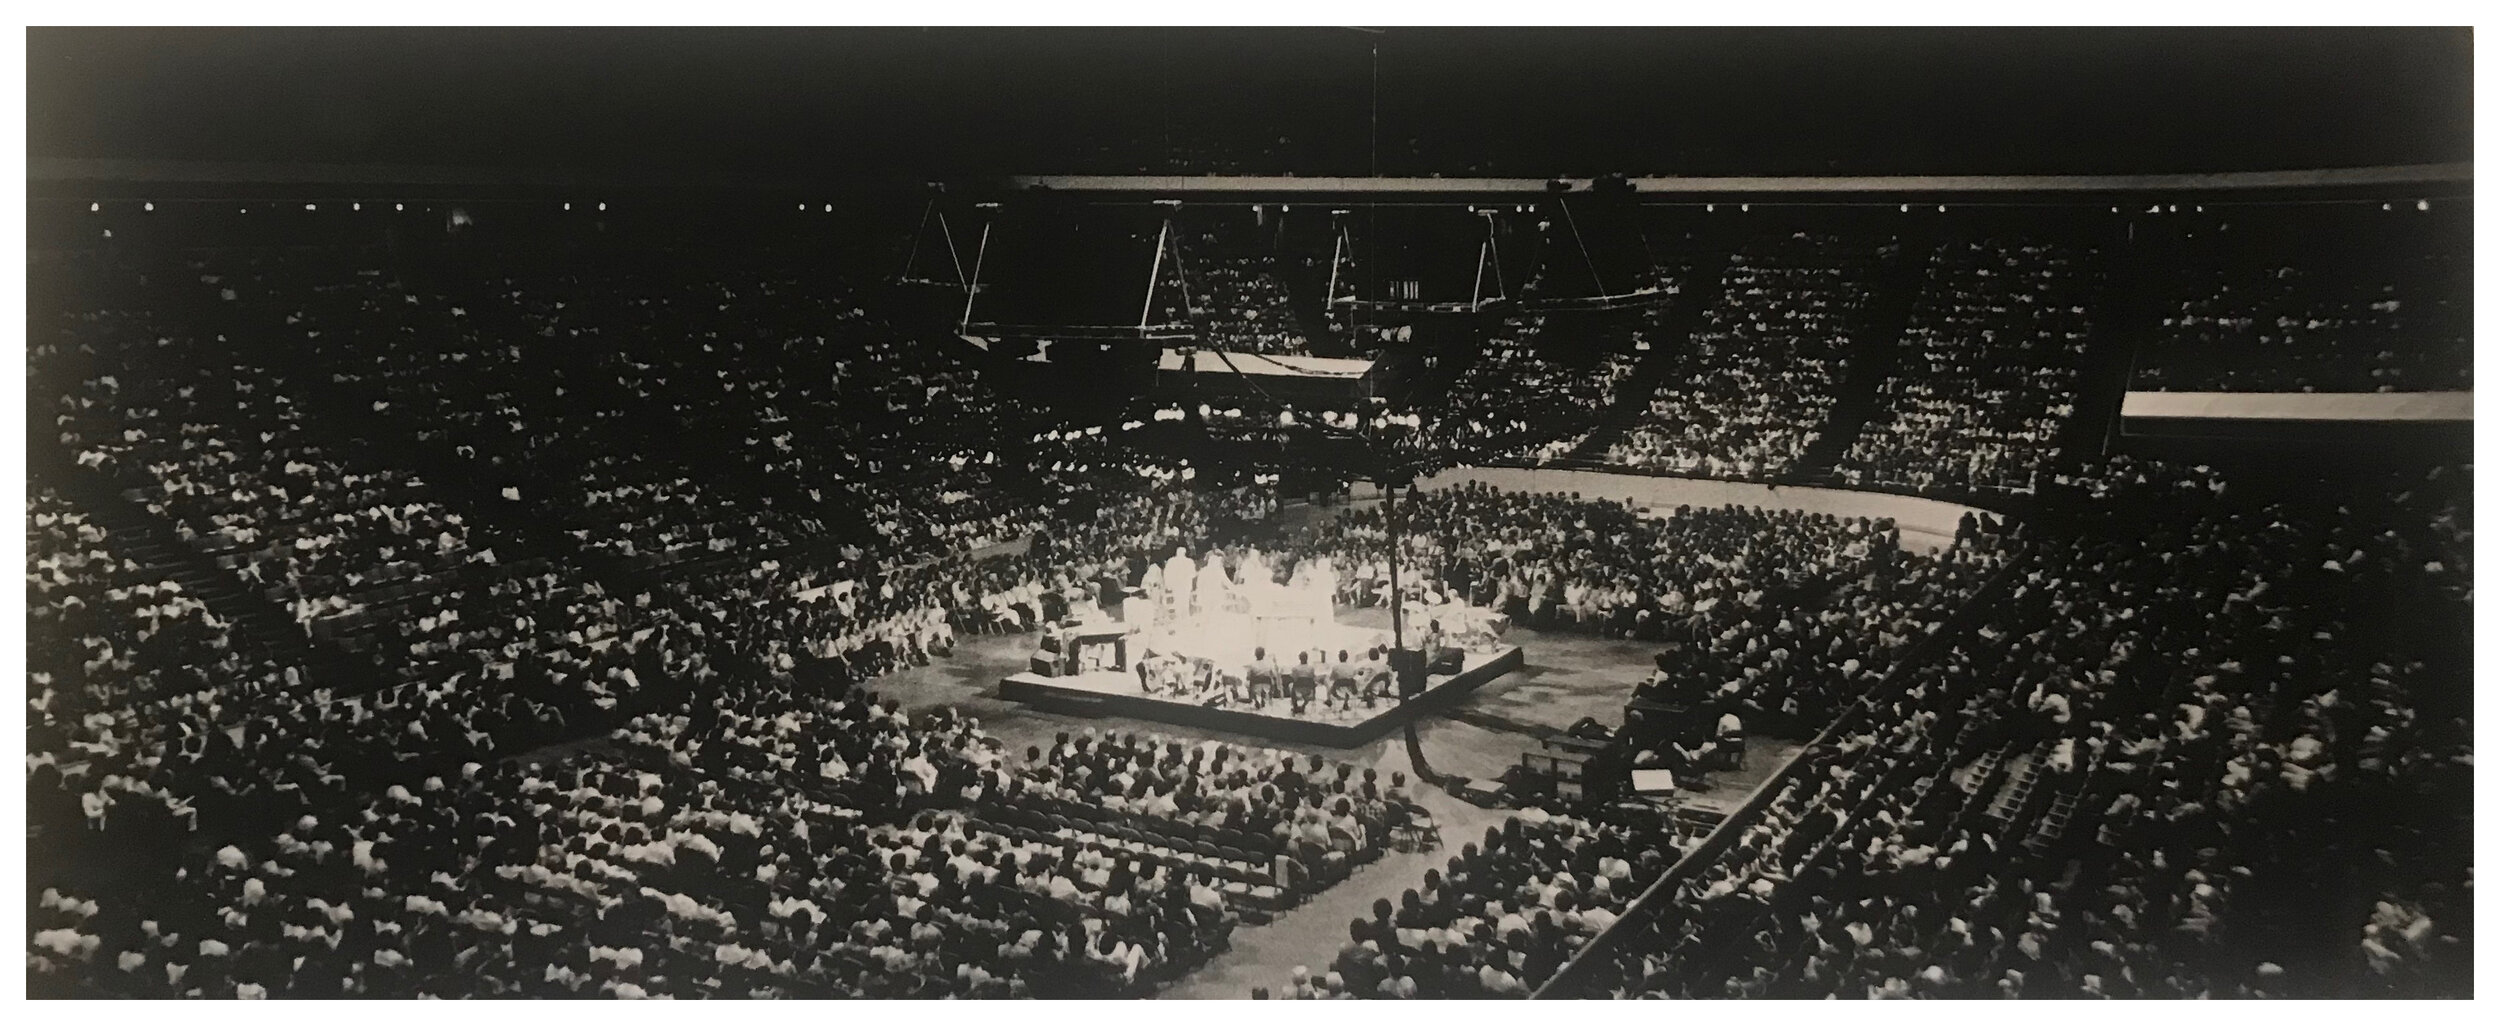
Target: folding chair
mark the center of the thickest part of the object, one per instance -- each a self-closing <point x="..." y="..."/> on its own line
<point x="1420" y="825"/>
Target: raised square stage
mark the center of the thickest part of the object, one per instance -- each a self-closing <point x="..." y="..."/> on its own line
<point x="1118" y="694"/>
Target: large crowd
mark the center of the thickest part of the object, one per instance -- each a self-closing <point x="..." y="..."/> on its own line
<point x="1757" y="381"/>
<point x="1540" y="381"/>
<point x="611" y="593"/>
<point x="2208" y="747"/>
<point x="1987" y="378"/>
<point x="2331" y="312"/>
<point x="1498" y="919"/>
<point x="786" y="833"/>
<point x="1237" y="295"/>
<point x="1773" y="621"/>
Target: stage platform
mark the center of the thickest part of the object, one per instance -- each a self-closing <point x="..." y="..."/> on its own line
<point x="1118" y="694"/>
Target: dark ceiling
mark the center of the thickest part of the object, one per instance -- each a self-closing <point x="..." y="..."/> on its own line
<point x="796" y="104"/>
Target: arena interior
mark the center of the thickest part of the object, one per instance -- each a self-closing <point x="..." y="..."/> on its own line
<point x="519" y="514"/>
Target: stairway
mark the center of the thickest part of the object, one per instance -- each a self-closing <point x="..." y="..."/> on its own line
<point x="1873" y="355"/>
<point x="1980" y="771"/>
<point x="2063" y="808"/>
<point x="2022" y="776"/>
<point x="2053" y="823"/>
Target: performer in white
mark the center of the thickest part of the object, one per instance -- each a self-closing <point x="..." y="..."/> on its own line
<point x="1180" y="585"/>
<point x="1214" y="588"/>
<point x="1257" y="581"/>
<point x="1321" y="589"/>
<point x="1151" y="582"/>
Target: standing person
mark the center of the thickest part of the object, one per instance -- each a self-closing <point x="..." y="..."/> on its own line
<point x="1180" y="584"/>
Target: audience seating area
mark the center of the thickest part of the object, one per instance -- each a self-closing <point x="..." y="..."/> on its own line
<point x="1988" y="371"/>
<point x="519" y="635"/>
<point x="1757" y="381"/>
<point x="2143" y="776"/>
<point x="1235" y="280"/>
<point x="1499" y="918"/>
<point x="2324" y="312"/>
<point x="1541" y="380"/>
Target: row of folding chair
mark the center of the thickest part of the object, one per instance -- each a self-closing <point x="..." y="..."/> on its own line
<point x="1247" y="883"/>
<point x="1173" y="831"/>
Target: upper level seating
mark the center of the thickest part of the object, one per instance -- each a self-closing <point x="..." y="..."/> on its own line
<point x="548" y="378"/>
<point x="500" y="384"/>
<point x="760" y="361"/>
<point x="1540" y="376"/>
<point x="1987" y="374"/>
<point x="1236" y="285"/>
<point x="473" y="653"/>
<point x="1756" y="382"/>
<point x="2323" y="311"/>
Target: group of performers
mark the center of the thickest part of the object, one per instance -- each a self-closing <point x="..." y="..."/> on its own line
<point x="1315" y="676"/>
<point x="1205" y="634"/>
<point x="1180" y="590"/>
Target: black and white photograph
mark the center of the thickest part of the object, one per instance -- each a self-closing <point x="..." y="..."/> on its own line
<point x="1248" y="513"/>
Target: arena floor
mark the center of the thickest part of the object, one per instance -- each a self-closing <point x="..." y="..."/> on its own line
<point x="1567" y="676"/>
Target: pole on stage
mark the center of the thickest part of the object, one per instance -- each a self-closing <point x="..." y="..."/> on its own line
<point x="1397" y="594"/>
